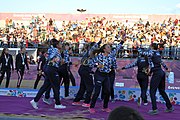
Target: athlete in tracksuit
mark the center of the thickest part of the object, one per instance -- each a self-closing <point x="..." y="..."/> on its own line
<point x="85" y="72"/>
<point x="21" y="61"/>
<point x="6" y="62"/>
<point x="104" y="63"/>
<point x="157" y="79"/>
<point x="112" y="75"/>
<point x="52" y="80"/>
<point x="142" y="75"/>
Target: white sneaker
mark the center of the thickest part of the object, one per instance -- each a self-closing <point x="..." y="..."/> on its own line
<point x="59" y="106"/>
<point x="34" y="104"/>
<point x="47" y="101"/>
<point x="68" y="98"/>
<point x="145" y="104"/>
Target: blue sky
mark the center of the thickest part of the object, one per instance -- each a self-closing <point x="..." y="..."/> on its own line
<point x="92" y="6"/>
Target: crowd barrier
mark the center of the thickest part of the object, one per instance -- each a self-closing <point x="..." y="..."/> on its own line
<point x="124" y="94"/>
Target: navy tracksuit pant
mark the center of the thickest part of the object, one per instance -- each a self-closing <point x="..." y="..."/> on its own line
<point x="101" y="79"/>
<point x="39" y="75"/>
<point x="65" y="76"/>
<point x="71" y="77"/>
<point x="20" y="73"/>
<point x="8" y="75"/>
<point x="51" y="81"/>
<point x="112" y="79"/>
<point x="142" y="79"/>
<point x="86" y="84"/>
<point x="158" y="82"/>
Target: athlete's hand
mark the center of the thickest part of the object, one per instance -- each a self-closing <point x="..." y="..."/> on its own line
<point x="100" y="66"/>
<point x="122" y="68"/>
<point x="118" y="70"/>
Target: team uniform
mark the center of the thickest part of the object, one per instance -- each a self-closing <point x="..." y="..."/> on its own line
<point x="65" y="69"/>
<point x="142" y="75"/>
<point x="157" y="80"/>
<point x="85" y="72"/>
<point x="102" y="78"/>
<point x="21" y="61"/>
<point x="52" y="80"/>
<point x="6" y="62"/>
<point x="112" y="75"/>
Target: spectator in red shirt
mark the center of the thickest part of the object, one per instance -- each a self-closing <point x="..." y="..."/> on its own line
<point x="27" y="42"/>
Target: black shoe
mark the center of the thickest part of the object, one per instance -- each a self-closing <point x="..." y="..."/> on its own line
<point x="169" y="109"/>
<point x="153" y="112"/>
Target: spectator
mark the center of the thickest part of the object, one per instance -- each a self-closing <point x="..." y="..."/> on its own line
<point x="78" y="33"/>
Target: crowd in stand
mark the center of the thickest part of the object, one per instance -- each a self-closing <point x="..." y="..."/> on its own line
<point x="41" y="30"/>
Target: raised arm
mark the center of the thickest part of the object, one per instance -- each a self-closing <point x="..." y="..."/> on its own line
<point x="113" y="52"/>
<point x="133" y="64"/>
<point x="95" y="46"/>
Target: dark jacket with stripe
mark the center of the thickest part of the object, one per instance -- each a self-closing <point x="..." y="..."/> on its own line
<point x="9" y="65"/>
<point x="19" y="61"/>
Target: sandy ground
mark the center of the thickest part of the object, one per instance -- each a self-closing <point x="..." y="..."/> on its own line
<point x="30" y="117"/>
<point x="24" y="84"/>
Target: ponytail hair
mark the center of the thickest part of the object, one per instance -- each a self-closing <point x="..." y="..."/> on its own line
<point x="90" y="45"/>
<point x="54" y="42"/>
<point x="96" y="52"/>
<point x="102" y="48"/>
<point x="155" y="46"/>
